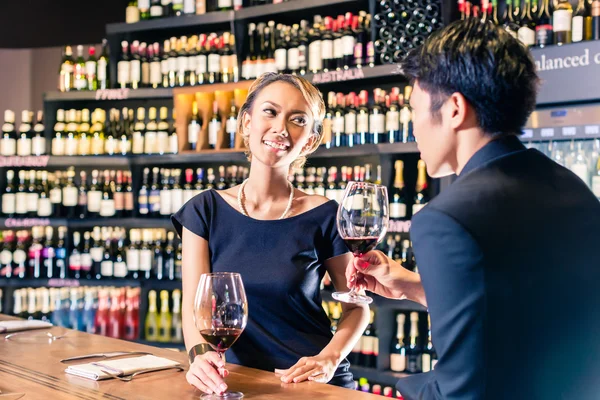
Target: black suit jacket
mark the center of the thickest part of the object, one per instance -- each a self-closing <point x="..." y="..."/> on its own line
<point x="509" y="257"/>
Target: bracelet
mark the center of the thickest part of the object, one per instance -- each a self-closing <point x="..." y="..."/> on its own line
<point x="198" y="350"/>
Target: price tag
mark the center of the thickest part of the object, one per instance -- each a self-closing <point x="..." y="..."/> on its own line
<point x="27" y="161"/>
<point x="112" y="94"/>
<point x="55" y="282"/>
<point x="592" y="129"/>
<point x="399" y="227"/>
<point x="26" y="222"/>
<point x="569" y="131"/>
<point x="527" y="134"/>
<point x="547" y="132"/>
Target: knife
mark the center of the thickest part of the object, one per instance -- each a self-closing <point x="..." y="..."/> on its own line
<point x="106" y="355"/>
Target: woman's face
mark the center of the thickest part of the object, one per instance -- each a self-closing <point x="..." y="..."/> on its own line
<point x="279" y="125"/>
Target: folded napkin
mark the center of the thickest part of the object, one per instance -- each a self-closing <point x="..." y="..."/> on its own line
<point x="22" y="325"/>
<point x="122" y="366"/>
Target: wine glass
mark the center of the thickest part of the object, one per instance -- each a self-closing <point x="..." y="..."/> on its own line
<point x="221" y="314"/>
<point x="362" y="221"/>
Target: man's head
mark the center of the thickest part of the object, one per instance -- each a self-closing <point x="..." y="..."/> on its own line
<point x="472" y="81"/>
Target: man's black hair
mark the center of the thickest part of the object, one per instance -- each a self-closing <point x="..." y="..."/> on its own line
<point x="483" y="62"/>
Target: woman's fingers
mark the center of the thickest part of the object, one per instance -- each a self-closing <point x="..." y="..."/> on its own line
<point x="197" y="383"/>
<point x="213" y="357"/>
<point x="208" y="376"/>
<point x="311" y="373"/>
<point x="294" y="374"/>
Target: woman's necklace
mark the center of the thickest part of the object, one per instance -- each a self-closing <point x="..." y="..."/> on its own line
<point x="243" y="209"/>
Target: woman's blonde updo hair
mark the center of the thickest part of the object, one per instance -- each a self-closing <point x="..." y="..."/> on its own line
<point x="310" y="93"/>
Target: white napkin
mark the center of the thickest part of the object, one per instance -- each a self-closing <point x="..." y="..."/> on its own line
<point x="122" y="366"/>
<point x="20" y="325"/>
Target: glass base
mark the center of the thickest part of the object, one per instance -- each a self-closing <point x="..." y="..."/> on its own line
<point x="224" y="396"/>
<point x="352" y="297"/>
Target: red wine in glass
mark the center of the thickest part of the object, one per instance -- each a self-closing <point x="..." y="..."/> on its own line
<point x="221" y="338"/>
<point x="361" y="245"/>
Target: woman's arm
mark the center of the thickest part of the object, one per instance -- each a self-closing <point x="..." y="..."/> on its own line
<point x="354" y="320"/>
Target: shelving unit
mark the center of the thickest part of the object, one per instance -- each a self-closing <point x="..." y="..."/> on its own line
<point x="12" y="223"/>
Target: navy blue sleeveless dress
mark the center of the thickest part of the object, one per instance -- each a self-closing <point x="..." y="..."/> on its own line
<point x="281" y="264"/>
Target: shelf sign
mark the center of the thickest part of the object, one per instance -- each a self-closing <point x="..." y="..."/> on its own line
<point x="338" y="76"/>
<point x="56" y="282"/>
<point x="112" y="94"/>
<point x="399" y="227"/>
<point x="569" y="131"/>
<point x="29" y="161"/>
<point x="26" y="222"/>
<point x="547" y="132"/>
<point x="527" y="134"/>
<point x="592" y="130"/>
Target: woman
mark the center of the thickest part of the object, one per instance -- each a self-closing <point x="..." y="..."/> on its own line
<point x="280" y="240"/>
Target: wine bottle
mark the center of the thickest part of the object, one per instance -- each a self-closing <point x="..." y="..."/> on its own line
<point x="413" y="351"/>
<point x="176" y="191"/>
<point x="107" y="203"/>
<point x="398" y="203"/>
<point x="97" y="132"/>
<point x="91" y="69"/>
<point x="133" y="254"/>
<point x="169" y="257"/>
<point x="72" y="134"/>
<point x="176" y="321"/>
<point x="49" y="254"/>
<point x="398" y="351"/>
<point x="164" y="323"/>
<point x="162" y="134"/>
<point x="75" y="257"/>
<point x="151" y="323"/>
<point x="562" y="19"/>
<point x="107" y="263"/>
<point x="124" y="67"/>
<point x="103" y="81"/>
<point x="150" y="136"/>
<point x="120" y="264"/>
<point x="231" y="125"/>
<point x="214" y="126"/>
<point x="165" y="193"/>
<point x="61" y="253"/>
<point x="80" y="78"/>
<point x="132" y="315"/>
<point x="137" y="146"/>
<point x="429" y="356"/>
<point x="86" y="257"/>
<point x="82" y="198"/>
<point x="35" y="253"/>
<point x="158" y="259"/>
<point x="89" y="310"/>
<point x="369" y="344"/>
<point x="146" y="255"/>
<point x="67" y="71"/>
<point x="421" y="196"/>
<point x="9" y="198"/>
<point x="97" y="253"/>
<point x="101" y="320"/>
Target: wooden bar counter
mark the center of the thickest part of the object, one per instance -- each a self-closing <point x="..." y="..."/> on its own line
<point x="35" y="369"/>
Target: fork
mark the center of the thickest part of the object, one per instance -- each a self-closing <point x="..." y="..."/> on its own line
<point x="128" y="378"/>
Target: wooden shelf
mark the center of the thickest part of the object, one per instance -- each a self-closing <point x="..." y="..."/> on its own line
<point x="127" y="222"/>
<point x="211" y="19"/>
<point x="110" y="94"/>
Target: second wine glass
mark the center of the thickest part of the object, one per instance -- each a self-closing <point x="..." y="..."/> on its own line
<point x="362" y="221"/>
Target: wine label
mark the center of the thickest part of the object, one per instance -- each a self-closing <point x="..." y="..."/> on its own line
<point x="293" y="58"/>
<point x="21" y="207"/>
<point x="144" y="4"/>
<point x="350" y="123"/>
<point x="201" y="64"/>
<point x="213" y="132"/>
<point x="362" y="123"/>
<point x="338" y="52"/>
<point x="124" y="145"/>
<point x="189" y="6"/>
<point x="172" y="64"/>
<point x="94" y="199"/>
<point x="562" y="20"/>
<point x="182" y="64"/>
<point x="176" y="199"/>
<point x="192" y="63"/>
<point x="6" y="257"/>
<point x="162" y="142"/>
<point x="174" y="144"/>
<point x="97" y="253"/>
<point x="107" y="208"/>
<point x="426" y="362"/>
<point x="281" y="59"/>
<point x="119" y="201"/>
<point x="165" y="202"/>
<point x="150" y="143"/>
<point x="326" y="49"/>
<point x="143" y="204"/>
<point x="156" y="11"/>
<point x="128" y="201"/>
<point x="348" y="43"/>
<point x="38" y="145"/>
<point x="154" y="201"/>
<point x="377" y="123"/>
<point x="417" y="207"/>
<point x="368" y="344"/>
<point x="9" y="147"/>
<point x="187" y="195"/>
<point x="111" y="145"/>
<point x="392" y="121"/>
<point x="75" y="262"/>
<point x="577" y="27"/>
<point x="145" y="260"/>
<point x="56" y="196"/>
<point x="24" y="147"/>
<point x="193" y="131"/>
<point x="138" y="143"/>
<point x="106" y="268"/>
<point x="70" y="196"/>
<point x="338" y="124"/>
<point x="90" y="69"/>
<point x="301" y="56"/>
<point x="231" y="125"/>
<point x="155" y="73"/>
<point x="80" y="82"/>
<point x="397" y="210"/>
<point x="315" y="62"/>
<point x="225" y="63"/>
<point x="214" y="62"/>
<point x="120" y="269"/>
<point x="123" y="72"/>
<point x="19" y="256"/>
<point x="225" y="3"/>
<point x="86" y="262"/>
<point x="97" y="146"/>
<point x="9" y="204"/>
<point x="526" y="35"/>
<point x="397" y="362"/>
<point x="136" y="70"/>
<point x="44" y="208"/>
<point x="102" y="67"/>
<point x="133" y="259"/>
<point x="164" y="67"/>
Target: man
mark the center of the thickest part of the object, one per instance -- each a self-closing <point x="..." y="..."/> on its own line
<point x="508" y="254"/>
